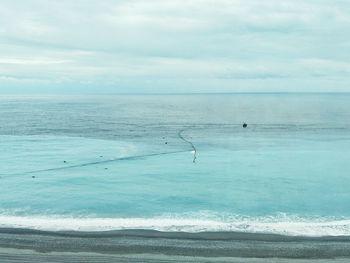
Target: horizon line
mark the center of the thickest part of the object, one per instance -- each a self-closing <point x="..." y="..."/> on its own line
<point x="177" y="93"/>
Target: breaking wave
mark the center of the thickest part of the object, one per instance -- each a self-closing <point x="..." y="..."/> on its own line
<point x="282" y="224"/>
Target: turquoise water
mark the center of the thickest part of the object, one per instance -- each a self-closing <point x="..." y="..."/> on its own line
<point x="116" y="162"/>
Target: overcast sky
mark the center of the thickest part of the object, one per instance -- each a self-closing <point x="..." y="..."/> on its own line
<point x="106" y="46"/>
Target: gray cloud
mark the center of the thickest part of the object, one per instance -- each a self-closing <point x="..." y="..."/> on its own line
<point x="170" y="46"/>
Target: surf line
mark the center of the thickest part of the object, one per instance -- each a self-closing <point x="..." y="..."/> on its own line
<point x="99" y="162"/>
<point x="194" y="149"/>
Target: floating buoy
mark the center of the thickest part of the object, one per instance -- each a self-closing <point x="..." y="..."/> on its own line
<point x="245" y="125"/>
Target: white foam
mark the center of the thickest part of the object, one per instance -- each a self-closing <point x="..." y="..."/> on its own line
<point x="275" y="225"/>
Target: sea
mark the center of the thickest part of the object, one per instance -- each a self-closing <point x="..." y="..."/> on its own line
<point x="177" y="163"/>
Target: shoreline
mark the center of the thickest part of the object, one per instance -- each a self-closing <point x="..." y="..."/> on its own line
<point x="206" y="246"/>
<point x="147" y="233"/>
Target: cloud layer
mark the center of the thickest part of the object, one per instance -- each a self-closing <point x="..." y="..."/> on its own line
<point x="174" y="46"/>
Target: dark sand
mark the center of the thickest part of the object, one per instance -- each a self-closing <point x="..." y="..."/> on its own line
<point x="23" y="245"/>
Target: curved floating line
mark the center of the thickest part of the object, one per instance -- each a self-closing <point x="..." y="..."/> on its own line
<point x="190" y="143"/>
<point x="194" y="149"/>
<point x="98" y="162"/>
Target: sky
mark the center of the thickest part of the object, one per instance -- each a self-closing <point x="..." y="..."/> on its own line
<point x="174" y="46"/>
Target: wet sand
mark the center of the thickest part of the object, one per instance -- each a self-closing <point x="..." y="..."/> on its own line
<point x="27" y="256"/>
<point x="24" y="245"/>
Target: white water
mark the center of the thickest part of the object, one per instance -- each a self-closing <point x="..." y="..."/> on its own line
<point x="292" y="226"/>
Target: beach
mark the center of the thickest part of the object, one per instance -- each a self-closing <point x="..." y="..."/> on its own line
<point x="155" y="246"/>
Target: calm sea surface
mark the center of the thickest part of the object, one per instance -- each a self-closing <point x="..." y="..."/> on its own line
<point x="116" y="162"/>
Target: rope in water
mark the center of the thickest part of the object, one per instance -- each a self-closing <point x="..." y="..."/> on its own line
<point x="97" y="162"/>
<point x="190" y="143"/>
<point x="115" y="159"/>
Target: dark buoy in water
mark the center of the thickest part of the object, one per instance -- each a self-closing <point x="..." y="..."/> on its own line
<point x="65" y="161"/>
<point x="245" y="125"/>
<point x="166" y="142"/>
<point x="33" y="176"/>
<point x="106" y="168"/>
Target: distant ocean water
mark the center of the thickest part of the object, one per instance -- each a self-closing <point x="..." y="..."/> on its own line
<point x="127" y="162"/>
